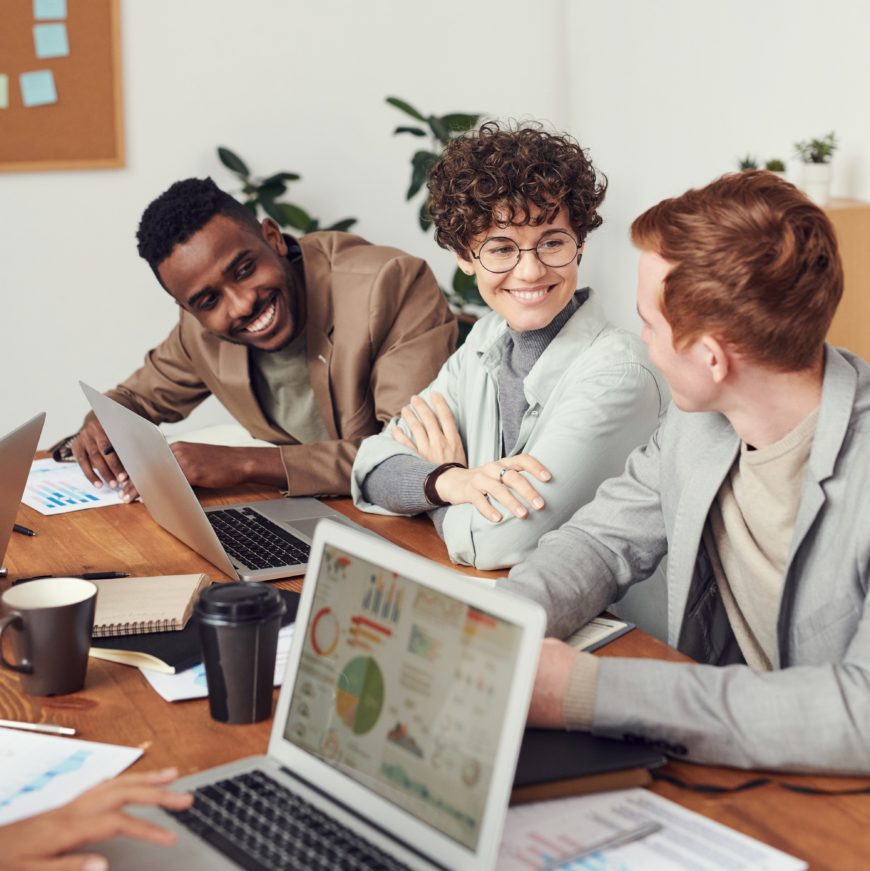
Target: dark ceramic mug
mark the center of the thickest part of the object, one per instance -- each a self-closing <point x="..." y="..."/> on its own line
<point x="48" y="624"/>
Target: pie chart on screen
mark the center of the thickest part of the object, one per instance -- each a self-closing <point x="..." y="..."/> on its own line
<point x="359" y="696"/>
<point x="324" y="632"/>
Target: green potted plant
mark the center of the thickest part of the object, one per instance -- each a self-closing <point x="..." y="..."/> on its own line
<point x="747" y="163"/>
<point x="776" y="166"/>
<point x="816" y="156"/>
<point x="441" y="129"/>
<point x="262" y="192"/>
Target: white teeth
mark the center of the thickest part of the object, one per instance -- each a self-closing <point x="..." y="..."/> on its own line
<point x="529" y="295"/>
<point x="263" y="321"/>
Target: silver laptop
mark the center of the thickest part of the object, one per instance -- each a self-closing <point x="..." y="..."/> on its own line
<point x="252" y="541"/>
<point x="16" y="455"/>
<point x="396" y="732"/>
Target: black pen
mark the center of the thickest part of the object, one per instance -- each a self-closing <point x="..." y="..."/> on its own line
<point x="17" y="527"/>
<point x="85" y="576"/>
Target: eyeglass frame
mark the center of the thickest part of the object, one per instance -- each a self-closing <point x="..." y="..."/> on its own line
<point x="520" y="251"/>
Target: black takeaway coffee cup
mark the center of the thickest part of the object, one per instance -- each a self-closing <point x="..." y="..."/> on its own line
<point x="238" y="628"/>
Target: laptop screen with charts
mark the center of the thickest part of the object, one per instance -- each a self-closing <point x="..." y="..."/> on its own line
<point x="400" y="719"/>
<point x="254" y="541"/>
<point x="16" y="455"/>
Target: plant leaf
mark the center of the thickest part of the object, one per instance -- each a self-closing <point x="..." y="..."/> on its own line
<point x="465" y="286"/>
<point x="344" y="225"/>
<point x="439" y="129"/>
<point x="313" y="225"/>
<point x="295" y="216"/>
<point x="416" y="131"/>
<point x="423" y="216"/>
<point x="422" y="162"/>
<point x="281" y="176"/>
<point x="459" y="122"/>
<point x="232" y="161"/>
<point x="273" y="210"/>
<point x="271" y="190"/>
<point x="251" y="206"/>
<point x="402" y="106"/>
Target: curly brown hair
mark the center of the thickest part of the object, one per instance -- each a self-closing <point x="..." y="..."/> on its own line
<point x="496" y="175"/>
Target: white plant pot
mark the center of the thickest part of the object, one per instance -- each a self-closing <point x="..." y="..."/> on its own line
<point x="817" y="182"/>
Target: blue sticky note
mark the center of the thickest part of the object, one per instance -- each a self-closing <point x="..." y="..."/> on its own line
<point x="37" y="88"/>
<point x="50" y="40"/>
<point x="44" y="10"/>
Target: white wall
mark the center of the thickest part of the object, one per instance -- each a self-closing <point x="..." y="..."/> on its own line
<point x="665" y="94"/>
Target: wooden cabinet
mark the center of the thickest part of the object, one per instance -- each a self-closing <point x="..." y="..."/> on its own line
<point x="851" y="326"/>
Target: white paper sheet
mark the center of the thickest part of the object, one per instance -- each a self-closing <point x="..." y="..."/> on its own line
<point x="538" y="835"/>
<point x="57" y="488"/>
<point x="190" y="684"/>
<point x="41" y="772"/>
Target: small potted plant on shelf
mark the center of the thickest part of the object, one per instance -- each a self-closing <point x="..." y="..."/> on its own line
<point x="747" y="163"/>
<point x="776" y="166"/>
<point x="816" y="155"/>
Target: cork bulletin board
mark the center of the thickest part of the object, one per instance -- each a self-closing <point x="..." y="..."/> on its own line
<point x="60" y="85"/>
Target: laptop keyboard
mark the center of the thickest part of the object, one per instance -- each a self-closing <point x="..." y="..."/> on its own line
<point x="261" y="825"/>
<point x="255" y="541"/>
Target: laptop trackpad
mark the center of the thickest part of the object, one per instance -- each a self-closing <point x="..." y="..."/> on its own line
<point x="306" y="527"/>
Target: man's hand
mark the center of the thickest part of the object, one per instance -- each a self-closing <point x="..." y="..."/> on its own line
<point x="501" y="480"/>
<point x="555" y="663"/>
<point x="434" y="435"/>
<point x="41" y="842"/>
<point x="95" y="455"/>
<point x="220" y="466"/>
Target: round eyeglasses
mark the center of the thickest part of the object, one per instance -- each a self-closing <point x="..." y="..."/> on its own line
<point x="556" y="249"/>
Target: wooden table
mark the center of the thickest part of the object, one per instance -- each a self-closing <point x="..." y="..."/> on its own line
<point x="118" y="706"/>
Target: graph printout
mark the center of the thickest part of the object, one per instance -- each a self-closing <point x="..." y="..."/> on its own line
<point x="548" y="834"/>
<point x="56" y="488"/>
<point x="41" y="772"/>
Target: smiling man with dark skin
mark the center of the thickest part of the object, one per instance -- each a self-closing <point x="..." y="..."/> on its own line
<point x="311" y="344"/>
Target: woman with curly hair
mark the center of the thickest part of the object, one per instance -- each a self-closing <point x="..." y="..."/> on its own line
<point x="545" y="399"/>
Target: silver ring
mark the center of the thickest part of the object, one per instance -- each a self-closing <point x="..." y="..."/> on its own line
<point x="504" y="471"/>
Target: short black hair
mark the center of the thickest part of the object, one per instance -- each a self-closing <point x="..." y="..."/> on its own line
<point x="182" y="210"/>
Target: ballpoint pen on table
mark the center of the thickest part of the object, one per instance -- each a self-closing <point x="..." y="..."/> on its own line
<point x="85" y="576"/>
<point x="48" y="728"/>
<point x="24" y="530"/>
<point x="617" y="839"/>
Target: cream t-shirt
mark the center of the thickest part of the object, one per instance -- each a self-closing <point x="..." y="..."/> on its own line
<point x="749" y="535"/>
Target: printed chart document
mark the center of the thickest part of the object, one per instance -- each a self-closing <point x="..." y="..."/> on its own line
<point x="190" y="683"/>
<point x="57" y="488"/>
<point x="41" y="772"/>
<point x="546" y="835"/>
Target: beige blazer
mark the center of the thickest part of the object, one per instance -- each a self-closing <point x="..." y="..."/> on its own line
<point x="378" y="330"/>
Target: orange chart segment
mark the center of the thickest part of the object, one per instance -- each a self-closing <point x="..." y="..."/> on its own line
<point x="324" y="632"/>
<point x="359" y="697"/>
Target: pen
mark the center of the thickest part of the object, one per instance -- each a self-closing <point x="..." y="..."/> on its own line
<point x="618" y="839"/>
<point x="38" y="727"/>
<point x="85" y="576"/>
<point x="17" y="527"/>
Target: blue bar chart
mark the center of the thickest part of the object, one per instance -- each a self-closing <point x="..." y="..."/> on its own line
<point x="57" y="488"/>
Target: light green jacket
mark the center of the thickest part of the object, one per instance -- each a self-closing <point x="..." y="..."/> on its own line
<point x="593" y="397"/>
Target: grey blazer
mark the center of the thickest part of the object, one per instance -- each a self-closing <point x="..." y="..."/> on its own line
<point x="812" y="712"/>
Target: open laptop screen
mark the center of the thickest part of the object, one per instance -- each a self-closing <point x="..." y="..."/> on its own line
<point x="403" y="689"/>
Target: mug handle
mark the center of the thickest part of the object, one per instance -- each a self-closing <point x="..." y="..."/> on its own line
<point x="25" y="666"/>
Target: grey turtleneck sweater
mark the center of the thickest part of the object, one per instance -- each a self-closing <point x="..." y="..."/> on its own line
<point x="397" y="483"/>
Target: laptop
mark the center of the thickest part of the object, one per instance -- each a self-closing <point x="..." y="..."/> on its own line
<point x="396" y="732"/>
<point x="16" y="455"/>
<point x="252" y="541"/>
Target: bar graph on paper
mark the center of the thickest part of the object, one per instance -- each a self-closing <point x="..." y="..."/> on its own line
<point x="57" y="488"/>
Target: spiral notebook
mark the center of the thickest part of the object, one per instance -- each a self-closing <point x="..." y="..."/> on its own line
<point x="134" y="606"/>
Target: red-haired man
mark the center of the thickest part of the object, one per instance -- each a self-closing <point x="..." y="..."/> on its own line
<point x="755" y="486"/>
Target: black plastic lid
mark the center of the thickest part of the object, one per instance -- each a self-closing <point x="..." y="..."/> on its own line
<point x="238" y="603"/>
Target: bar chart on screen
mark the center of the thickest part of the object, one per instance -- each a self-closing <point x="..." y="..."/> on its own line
<point x="57" y="488"/>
